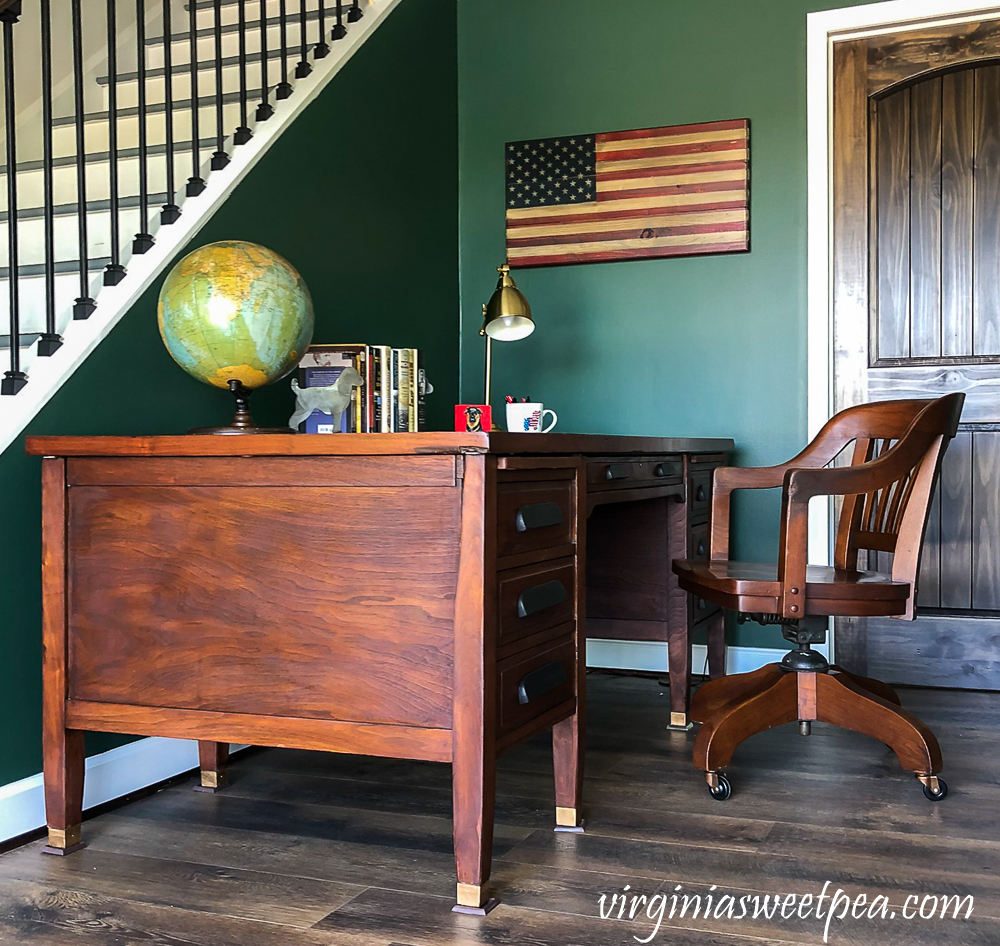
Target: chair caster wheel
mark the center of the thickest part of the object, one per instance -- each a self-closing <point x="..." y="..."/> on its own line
<point x="721" y="791"/>
<point x="942" y="791"/>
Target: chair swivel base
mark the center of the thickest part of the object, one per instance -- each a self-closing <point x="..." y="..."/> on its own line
<point x="734" y="708"/>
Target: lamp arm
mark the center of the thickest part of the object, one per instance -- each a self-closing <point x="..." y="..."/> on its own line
<point x="489" y="365"/>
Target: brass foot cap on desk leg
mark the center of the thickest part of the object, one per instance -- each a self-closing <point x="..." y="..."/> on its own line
<point x="568" y="821"/>
<point x="212" y="782"/>
<point x="473" y="899"/>
<point x="63" y="841"/>
<point x="680" y="721"/>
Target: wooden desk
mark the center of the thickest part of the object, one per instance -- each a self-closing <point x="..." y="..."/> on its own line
<point x="417" y="596"/>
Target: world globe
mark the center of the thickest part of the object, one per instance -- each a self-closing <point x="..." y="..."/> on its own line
<point x="235" y="312"/>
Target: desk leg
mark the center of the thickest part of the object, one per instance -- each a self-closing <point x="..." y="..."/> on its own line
<point x="62" y="749"/>
<point x="63" y="764"/>
<point x="473" y="800"/>
<point x="567" y="761"/>
<point x="474" y="751"/>
<point x="678" y="633"/>
<point x="213" y="758"/>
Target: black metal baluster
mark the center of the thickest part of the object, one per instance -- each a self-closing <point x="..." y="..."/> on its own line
<point x="339" y="30"/>
<point x="219" y="158"/>
<point x="243" y="133"/>
<point x="51" y="340"/>
<point x="303" y="67"/>
<point x="170" y="212"/>
<point x="284" y="87"/>
<point x="265" y="109"/>
<point x="322" y="49"/>
<point x="85" y="305"/>
<point x="114" y="272"/>
<point x="355" y="13"/>
<point x="196" y="183"/>
<point x="143" y="241"/>
<point x="15" y="378"/>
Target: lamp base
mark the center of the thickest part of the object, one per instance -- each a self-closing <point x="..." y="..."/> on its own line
<point x="242" y="421"/>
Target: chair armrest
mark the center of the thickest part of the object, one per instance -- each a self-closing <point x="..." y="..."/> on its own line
<point x="725" y="479"/>
<point x="826" y="445"/>
<point x="801" y="485"/>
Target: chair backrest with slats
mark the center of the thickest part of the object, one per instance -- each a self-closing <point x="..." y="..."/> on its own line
<point x="892" y="518"/>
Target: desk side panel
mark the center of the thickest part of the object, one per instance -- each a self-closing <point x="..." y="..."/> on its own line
<point x="325" y="603"/>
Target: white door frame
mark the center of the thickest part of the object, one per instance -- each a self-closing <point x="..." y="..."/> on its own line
<point x="822" y="29"/>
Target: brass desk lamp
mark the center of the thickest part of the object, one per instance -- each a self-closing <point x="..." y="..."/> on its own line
<point x="506" y="317"/>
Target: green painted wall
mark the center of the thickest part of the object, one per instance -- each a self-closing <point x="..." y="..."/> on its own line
<point x="710" y="346"/>
<point x="360" y="194"/>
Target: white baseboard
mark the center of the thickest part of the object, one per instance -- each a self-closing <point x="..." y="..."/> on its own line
<point x="109" y="776"/>
<point x="652" y="656"/>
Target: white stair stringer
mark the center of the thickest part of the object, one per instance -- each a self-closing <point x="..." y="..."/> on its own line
<point x="80" y="338"/>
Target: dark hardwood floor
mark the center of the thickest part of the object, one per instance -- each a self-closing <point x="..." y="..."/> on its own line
<point x="306" y="849"/>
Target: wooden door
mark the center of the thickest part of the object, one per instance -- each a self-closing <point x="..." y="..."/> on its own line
<point x="916" y="205"/>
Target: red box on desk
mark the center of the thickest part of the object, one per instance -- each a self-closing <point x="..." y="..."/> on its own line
<point x="473" y="418"/>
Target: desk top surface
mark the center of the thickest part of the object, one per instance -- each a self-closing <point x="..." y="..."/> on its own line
<point x="431" y="442"/>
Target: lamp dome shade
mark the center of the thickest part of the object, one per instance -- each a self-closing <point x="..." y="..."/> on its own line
<point x="507" y="316"/>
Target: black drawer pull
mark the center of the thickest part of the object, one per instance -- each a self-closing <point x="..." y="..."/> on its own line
<point x="618" y="471"/>
<point x="539" y="597"/>
<point x="662" y="469"/>
<point x="701" y="548"/>
<point x="540" y="681"/>
<point x="538" y="516"/>
<point x="700" y="495"/>
<point x="702" y="604"/>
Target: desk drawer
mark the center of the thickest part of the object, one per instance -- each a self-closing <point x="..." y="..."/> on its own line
<point x="698" y="542"/>
<point x="699" y="609"/>
<point x="699" y="496"/>
<point x="534" y="516"/>
<point x="533" y="683"/>
<point x="535" y="598"/>
<point x="627" y="472"/>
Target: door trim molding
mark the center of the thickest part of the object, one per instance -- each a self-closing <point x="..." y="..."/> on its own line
<point x="822" y="30"/>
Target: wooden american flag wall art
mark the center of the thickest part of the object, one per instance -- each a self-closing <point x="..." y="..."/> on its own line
<point x="652" y="192"/>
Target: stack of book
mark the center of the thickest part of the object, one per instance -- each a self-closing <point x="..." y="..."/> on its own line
<point x="390" y="398"/>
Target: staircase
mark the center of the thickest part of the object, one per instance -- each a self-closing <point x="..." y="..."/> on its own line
<point x="128" y="122"/>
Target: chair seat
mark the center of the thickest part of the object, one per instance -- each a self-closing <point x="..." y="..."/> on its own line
<point x="754" y="587"/>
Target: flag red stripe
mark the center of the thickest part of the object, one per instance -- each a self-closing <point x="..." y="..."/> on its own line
<point x="603" y="256"/>
<point x="611" y="214"/>
<point x="698" y="147"/>
<point x="630" y="233"/>
<point x="668" y="189"/>
<point x="670" y="130"/>
<point x="670" y="169"/>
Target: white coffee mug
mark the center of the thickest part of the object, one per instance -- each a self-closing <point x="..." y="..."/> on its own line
<point x="527" y="418"/>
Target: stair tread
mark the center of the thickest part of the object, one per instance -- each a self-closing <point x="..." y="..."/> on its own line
<point x="292" y="23"/>
<point x="208" y="4"/>
<point x="27" y="339"/>
<point x="184" y="68"/>
<point x="132" y="111"/>
<point x="62" y="266"/>
<point x="93" y="206"/>
<point x="101" y="157"/>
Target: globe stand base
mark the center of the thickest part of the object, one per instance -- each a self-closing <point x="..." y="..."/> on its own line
<point x="242" y="421"/>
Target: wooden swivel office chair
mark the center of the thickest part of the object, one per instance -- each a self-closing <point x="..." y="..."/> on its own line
<point x="887" y="492"/>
